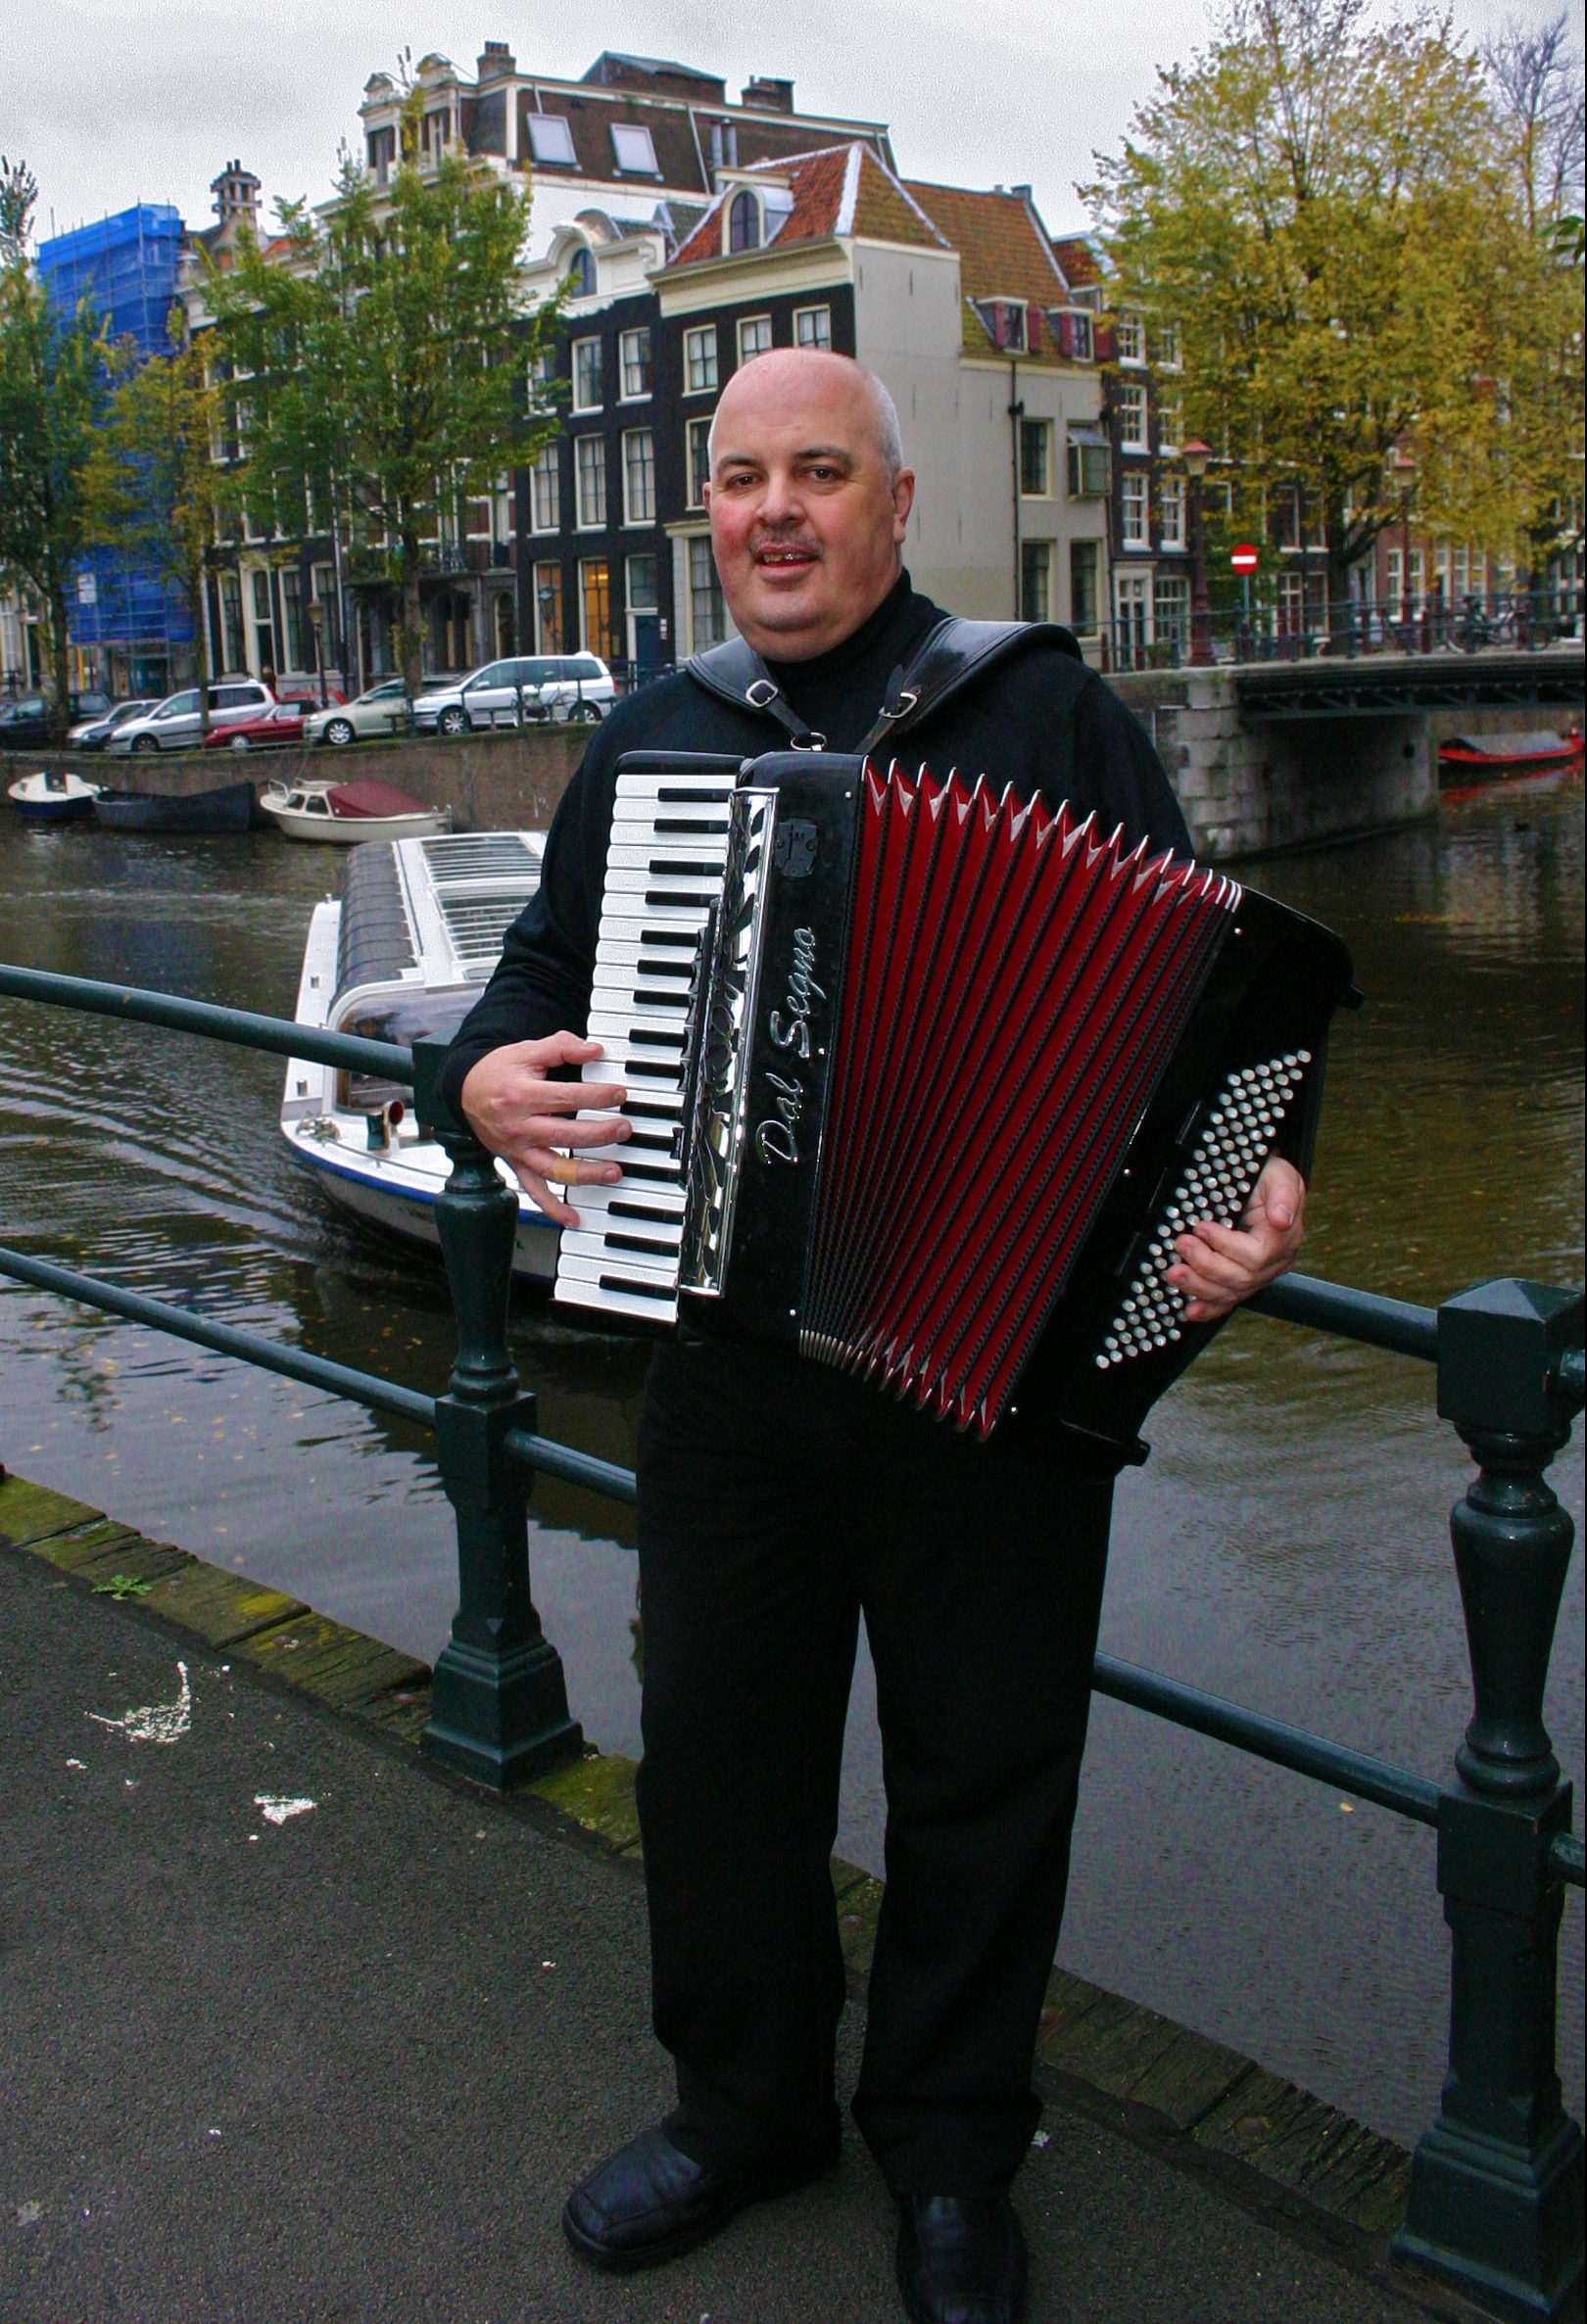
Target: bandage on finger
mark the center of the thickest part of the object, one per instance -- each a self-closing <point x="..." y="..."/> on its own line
<point x="564" y="1170"/>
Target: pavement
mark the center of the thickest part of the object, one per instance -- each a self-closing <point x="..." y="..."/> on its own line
<point x="295" y="2029"/>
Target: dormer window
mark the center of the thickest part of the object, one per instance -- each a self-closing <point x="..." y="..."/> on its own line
<point x="743" y="221"/>
<point x="551" y="138"/>
<point x="634" y="149"/>
<point x="581" y="273"/>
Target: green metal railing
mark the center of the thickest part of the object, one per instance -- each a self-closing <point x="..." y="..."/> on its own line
<point x="1496" y="2193"/>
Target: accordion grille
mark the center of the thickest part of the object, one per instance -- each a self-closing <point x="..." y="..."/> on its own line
<point x="1014" y="989"/>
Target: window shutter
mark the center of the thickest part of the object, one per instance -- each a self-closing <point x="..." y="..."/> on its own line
<point x="1065" y="335"/>
<point x="1032" y="329"/>
<point x="1104" y="343"/>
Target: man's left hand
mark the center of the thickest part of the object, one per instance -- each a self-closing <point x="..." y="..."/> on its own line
<point x="1218" y="1266"/>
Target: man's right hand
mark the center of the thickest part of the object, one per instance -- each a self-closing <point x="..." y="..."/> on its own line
<point x="522" y="1116"/>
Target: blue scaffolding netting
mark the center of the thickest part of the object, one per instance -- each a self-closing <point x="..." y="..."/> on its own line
<point x="125" y="268"/>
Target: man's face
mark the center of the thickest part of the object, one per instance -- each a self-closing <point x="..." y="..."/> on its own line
<point x="806" y="525"/>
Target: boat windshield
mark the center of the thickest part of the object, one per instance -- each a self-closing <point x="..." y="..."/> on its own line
<point x="417" y="1015"/>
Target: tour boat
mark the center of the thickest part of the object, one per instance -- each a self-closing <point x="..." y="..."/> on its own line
<point x="351" y="813"/>
<point x="402" y="957"/>
<point x="1473" y="760"/>
<point x="52" y="798"/>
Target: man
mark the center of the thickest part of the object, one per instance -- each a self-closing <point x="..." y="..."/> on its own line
<point x="779" y="1499"/>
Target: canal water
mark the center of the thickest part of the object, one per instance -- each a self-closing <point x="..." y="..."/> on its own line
<point x="1286" y="1545"/>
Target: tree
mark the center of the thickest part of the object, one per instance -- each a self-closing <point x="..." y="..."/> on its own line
<point x="53" y="390"/>
<point x="379" y="360"/>
<point x="1325" y="205"/>
<point x="153" y="488"/>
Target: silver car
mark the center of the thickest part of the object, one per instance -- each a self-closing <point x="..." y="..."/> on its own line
<point x="528" y="690"/>
<point x="93" y="733"/>
<point x="176" y="724"/>
<point x="381" y="709"/>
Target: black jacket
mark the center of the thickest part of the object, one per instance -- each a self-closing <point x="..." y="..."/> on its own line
<point x="1041" y="721"/>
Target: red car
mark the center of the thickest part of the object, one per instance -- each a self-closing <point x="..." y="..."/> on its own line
<point x="278" y="729"/>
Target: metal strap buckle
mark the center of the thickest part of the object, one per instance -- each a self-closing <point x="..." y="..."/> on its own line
<point x="761" y="693"/>
<point x="906" y="702"/>
<point x="810" y="741"/>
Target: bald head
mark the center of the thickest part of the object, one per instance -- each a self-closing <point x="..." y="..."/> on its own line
<point x="793" y="366"/>
<point x="809" y="499"/>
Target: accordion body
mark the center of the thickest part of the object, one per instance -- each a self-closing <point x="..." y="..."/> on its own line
<point x="923" y="1079"/>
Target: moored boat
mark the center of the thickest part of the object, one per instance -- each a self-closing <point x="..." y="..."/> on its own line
<point x="229" y="807"/>
<point x="1471" y="760"/>
<point x="52" y="798"/>
<point x="351" y="813"/>
<point x="402" y="957"/>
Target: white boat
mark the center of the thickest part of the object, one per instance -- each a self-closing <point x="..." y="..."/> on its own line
<point x="51" y="797"/>
<point x="402" y="957"/>
<point x="349" y="813"/>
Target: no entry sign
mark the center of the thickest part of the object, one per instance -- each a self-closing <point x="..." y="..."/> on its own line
<point x="1244" y="556"/>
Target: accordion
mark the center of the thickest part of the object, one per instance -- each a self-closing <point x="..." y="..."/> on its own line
<point x="923" y="1079"/>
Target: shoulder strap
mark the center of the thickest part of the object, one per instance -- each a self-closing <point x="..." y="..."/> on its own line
<point x="951" y="657"/>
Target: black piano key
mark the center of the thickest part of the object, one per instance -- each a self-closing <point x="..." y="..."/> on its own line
<point x="663" y="895"/>
<point x="684" y="826"/>
<point x="638" y="1285"/>
<point x="646" y="1246"/>
<point x="646" y="1037"/>
<point x="662" y="867"/>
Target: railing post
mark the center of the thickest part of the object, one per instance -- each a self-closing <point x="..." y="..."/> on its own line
<point x="1496" y="2187"/>
<point x="499" y="1703"/>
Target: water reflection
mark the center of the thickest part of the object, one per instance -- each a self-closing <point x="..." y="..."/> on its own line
<point x="1285" y="1547"/>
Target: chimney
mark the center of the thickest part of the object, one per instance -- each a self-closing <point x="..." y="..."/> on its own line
<point x="236" y="193"/>
<point x="497" y="62"/>
<point x="768" y="96"/>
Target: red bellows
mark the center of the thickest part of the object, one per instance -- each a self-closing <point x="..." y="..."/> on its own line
<point x="1014" y="989"/>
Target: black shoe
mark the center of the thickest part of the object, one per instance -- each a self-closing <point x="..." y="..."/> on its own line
<point x="961" y="2260"/>
<point x="649" y="2201"/>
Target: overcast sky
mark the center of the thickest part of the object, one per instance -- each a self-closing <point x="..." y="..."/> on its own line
<point x="111" y="105"/>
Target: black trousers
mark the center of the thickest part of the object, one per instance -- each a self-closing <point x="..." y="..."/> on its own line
<point x="777" y="1501"/>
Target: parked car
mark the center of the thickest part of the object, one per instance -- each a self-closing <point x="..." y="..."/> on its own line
<point x="94" y="732"/>
<point x="25" y="722"/>
<point x="528" y="690"/>
<point x="381" y="709"/>
<point x="279" y="727"/>
<point x="174" y="724"/>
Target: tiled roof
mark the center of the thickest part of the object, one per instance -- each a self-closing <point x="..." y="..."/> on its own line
<point x="1003" y="250"/>
<point x="841" y="189"/>
<point x="682" y="160"/>
<point x="1077" y="260"/>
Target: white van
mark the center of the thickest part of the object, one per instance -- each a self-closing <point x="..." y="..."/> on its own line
<point x="527" y="690"/>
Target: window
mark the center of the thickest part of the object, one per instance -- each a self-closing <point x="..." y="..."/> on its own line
<point x="1035" y="581"/>
<point x="1134" y="512"/>
<point x="634" y="364"/>
<point x="581" y="273"/>
<point x="263" y="620"/>
<point x="1036" y="463"/>
<point x="548" y="608"/>
<point x="699" y="359"/>
<point x="1133" y="419"/>
<point x="1171" y="511"/>
<point x="699" y="461"/>
<point x="1089" y="465"/>
<point x="1132" y="611"/>
<point x="754" y="337"/>
<point x="1393" y="579"/>
<point x="1084" y="596"/>
<point x="436" y="134"/>
<point x="595" y="598"/>
<point x="1130" y="339"/>
<point x="382" y="147"/>
<point x="298" y="655"/>
<point x="590" y="464"/>
<point x="638" y="584"/>
<point x="1168" y="345"/>
<point x="812" y="326"/>
<point x="232" y="656"/>
<point x="1170" y="422"/>
<point x="1079" y="338"/>
<point x="589" y="385"/>
<point x="539" y="378"/>
<point x="634" y="151"/>
<point x="545" y="490"/>
<point x="639" y="477"/>
<point x="706" y="625"/>
<point x="551" y="138"/>
<point x="1171" y="611"/>
<point x="743" y="221"/>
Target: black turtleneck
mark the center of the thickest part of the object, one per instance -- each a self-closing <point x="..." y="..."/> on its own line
<point x="1041" y="721"/>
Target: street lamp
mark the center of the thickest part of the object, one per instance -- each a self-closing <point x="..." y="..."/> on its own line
<point x="316" y="622"/>
<point x="1405" y="469"/>
<point x="1195" y="455"/>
